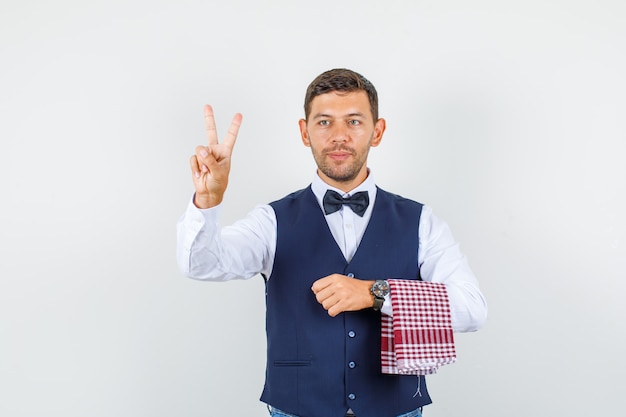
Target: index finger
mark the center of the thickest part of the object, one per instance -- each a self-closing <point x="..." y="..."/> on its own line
<point x="321" y="283"/>
<point x="233" y="131"/>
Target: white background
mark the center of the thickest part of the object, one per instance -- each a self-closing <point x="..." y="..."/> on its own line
<point x="507" y="117"/>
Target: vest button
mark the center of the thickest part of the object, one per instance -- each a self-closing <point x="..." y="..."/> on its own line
<point x="351" y="364"/>
<point x="351" y="334"/>
<point x="351" y="396"/>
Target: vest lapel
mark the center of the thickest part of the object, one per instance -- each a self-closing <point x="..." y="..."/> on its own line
<point x="325" y="233"/>
<point x="376" y="226"/>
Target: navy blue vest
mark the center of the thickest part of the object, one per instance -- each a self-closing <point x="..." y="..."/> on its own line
<point x="317" y="365"/>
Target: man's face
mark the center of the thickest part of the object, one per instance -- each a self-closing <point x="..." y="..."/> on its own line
<point x="340" y="130"/>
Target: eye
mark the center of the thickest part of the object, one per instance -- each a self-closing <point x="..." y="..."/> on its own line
<point x="354" y="122"/>
<point x="324" y="122"/>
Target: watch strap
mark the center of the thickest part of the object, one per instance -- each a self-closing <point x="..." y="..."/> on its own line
<point x="378" y="303"/>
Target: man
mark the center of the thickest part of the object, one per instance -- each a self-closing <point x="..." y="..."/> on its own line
<point x="335" y="270"/>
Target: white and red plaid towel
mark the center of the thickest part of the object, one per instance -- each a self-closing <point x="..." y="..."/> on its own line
<point x="418" y="339"/>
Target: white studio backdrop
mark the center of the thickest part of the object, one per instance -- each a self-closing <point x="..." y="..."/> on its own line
<point x="507" y="117"/>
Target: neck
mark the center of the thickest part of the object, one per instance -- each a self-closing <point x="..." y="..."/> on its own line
<point x="345" y="186"/>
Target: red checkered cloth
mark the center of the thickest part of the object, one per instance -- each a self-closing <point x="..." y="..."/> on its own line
<point x="418" y="339"/>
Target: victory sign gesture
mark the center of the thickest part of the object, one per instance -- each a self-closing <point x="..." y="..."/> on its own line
<point x="210" y="166"/>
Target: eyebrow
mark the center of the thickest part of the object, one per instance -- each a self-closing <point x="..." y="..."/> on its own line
<point x="321" y="115"/>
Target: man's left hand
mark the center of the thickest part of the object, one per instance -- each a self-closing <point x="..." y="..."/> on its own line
<point x="338" y="293"/>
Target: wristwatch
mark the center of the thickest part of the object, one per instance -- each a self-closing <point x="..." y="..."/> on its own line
<point x="379" y="289"/>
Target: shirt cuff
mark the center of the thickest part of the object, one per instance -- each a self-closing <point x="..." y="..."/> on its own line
<point x="387" y="307"/>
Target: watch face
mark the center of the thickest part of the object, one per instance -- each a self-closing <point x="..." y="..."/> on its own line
<point x="380" y="289"/>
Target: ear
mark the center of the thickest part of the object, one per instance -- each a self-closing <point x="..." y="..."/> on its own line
<point x="379" y="130"/>
<point x="304" y="133"/>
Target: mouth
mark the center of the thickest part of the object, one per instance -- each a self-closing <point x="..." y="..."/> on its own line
<point x="339" y="154"/>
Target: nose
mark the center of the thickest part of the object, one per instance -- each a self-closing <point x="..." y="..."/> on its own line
<point x="339" y="132"/>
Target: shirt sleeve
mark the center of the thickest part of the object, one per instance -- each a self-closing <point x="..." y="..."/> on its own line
<point x="441" y="261"/>
<point x="207" y="251"/>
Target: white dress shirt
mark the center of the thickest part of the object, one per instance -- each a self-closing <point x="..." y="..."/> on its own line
<point x="207" y="251"/>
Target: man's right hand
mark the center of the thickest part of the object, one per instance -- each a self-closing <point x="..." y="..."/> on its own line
<point x="210" y="166"/>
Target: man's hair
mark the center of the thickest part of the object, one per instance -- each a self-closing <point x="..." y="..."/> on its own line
<point x="344" y="81"/>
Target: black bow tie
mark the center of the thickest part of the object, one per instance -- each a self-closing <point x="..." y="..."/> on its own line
<point x="358" y="202"/>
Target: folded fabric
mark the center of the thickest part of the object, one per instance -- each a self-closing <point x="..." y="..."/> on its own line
<point x="418" y="339"/>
